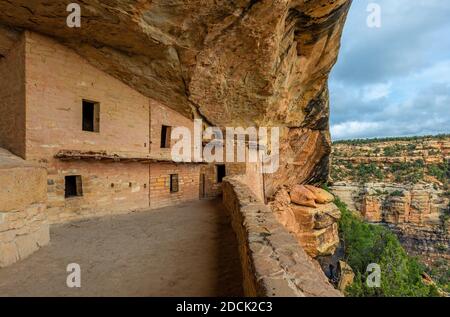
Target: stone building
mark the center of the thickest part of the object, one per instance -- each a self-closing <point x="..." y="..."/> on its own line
<point x="98" y="146"/>
<point x="105" y="146"/>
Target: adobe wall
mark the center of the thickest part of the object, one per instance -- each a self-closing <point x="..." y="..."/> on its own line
<point x="273" y="263"/>
<point x="161" y="115"/>
<point x="108" y="188"/>
<point x="189" y="186"/>
<point x="212" y="187"/>
<point x="254" y="179"/>
<point x="12" y="100"/>
<point x="57" y="80"/>
<point x="188" y="174"/>
<point x="23" y="221"/>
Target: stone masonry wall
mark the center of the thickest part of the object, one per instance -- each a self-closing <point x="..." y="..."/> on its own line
<point x="12" y="100"/>
<point x="57" y="80"/>
<point x="188" y="174"/>
<point x="212" y="187"/>
<point x="161" y="115"/>
<point x="23" y="221"/>
<point x="273" y="263"/>
<point x="188" y="183"/>
<point x="108" y="188"/>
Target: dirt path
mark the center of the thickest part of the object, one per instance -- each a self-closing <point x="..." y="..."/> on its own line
<point x="188" y="250"/>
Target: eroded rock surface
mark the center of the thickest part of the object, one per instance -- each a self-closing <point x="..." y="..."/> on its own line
<point x="402" y="183"/>
<point x="310" y="216"/>
<point x="415" y="212"/>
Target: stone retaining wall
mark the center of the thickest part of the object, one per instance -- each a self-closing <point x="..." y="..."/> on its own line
<point x="273" y="263"/>
<point x="23" y="201"/>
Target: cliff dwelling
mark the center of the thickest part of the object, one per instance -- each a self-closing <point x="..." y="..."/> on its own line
<point x="91" y="142"/>
<point x="93" y="179"/>
<point x="86" y="129"/>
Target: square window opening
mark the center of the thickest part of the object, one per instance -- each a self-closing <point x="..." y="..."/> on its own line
<point x="166" y="132"/>
<point x="73" y="186"/>
<point x="174" y="186"/>
<point x="91" y="116"/>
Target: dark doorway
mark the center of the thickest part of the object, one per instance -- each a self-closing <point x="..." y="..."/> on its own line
<point x="166" y="132"/>
<point x="73" y="186"/>
<point x="91" y="116"/>
<point x="221" y="173"/>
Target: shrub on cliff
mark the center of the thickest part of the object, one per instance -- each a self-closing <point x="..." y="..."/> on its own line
<point x="368" y="171"/>
<point x="440" y="171"/>
<point x="389" y="151"/>
<point x="440" y="271"/>
<point x="366" y="243"/>
<point x="407" y="172"/>
<point x="397" y="193"/>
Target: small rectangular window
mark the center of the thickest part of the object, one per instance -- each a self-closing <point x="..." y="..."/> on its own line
<point x="91" y="116"/>
<point x="166" y="132"/>
<point x="221" y="173"/>
<point x="73" y="186"/>
<point x="174" y="183"/>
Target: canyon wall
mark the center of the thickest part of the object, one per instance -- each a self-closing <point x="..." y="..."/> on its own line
<point x="414" y="212"/>
<point x="403" y="184"/>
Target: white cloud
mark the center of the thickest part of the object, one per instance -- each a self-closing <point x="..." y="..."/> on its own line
<point x="393" y="81"/>
<point x="376" y="92"/>
<point x="352" y="129"/>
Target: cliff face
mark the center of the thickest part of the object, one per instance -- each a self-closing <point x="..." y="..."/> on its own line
<point x="309" y="214"/>
<point x="243" y="62"/>
<point x="403" y="184"/>
<point x="415" y="212"/>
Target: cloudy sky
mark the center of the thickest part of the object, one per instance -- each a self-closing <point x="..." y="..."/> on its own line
<point x="393" y="80"/>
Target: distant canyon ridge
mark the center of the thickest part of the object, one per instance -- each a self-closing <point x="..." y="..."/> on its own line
<point x="402" y="183"/>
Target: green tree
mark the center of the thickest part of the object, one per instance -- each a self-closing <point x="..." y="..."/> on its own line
<point x="366" y="243"/>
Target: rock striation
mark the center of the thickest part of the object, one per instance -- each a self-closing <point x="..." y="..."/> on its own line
<point x="309" y="214"/>
<point x="402" y="183"/>
<point x="415" y="212"/>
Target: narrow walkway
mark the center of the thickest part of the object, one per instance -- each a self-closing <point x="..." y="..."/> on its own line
<point x="188" y="250"/>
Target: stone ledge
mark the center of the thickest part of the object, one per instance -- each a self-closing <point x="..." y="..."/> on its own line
<point x="23" y="202"/>
<point x="22" y="233"/>
<point x="273" y="263"/>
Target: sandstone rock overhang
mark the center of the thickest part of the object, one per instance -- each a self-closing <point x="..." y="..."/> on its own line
<point x="246" y="62"/>
<point x="225" y="58"/>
